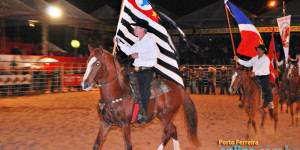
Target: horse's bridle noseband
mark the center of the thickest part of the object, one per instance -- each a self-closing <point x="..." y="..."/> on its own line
<point x="242" y="79"/>
<point x="96" y="77"/>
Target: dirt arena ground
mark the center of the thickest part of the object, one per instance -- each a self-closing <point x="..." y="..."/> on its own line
<point x="69" y="121"/>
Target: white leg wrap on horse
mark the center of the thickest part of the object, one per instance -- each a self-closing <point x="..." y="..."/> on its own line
<point x="176" y="145"/>
<point x="161" y="147"/>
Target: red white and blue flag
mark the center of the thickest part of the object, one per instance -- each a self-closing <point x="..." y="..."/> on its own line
<point x="250" y="36"/>
<point x="272" y="56"/>
<point x="132" y="10"/>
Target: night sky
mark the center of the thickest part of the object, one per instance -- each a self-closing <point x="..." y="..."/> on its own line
<point x="177" y="7"/>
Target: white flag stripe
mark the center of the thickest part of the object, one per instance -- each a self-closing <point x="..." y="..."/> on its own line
<point x="127" y="33"/>
<point x="124" y="41"/>
<point x="174" y="76"/>
<point x="152" y="24"/>
<point x="163" y="44"/>
<point x="248" y="27"/>
<point x="168" y="60"/>
<point x="168" y="65"/>
<point x="157" y="39"/>
<point x="127" y="18"/>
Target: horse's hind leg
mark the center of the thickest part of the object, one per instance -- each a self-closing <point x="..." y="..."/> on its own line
<point x="169" y="131"/>
<point x="275" y="118"/>
<point x="254" y="125"/>
<point x="127" y="136"/>
<point x="263" y="114"/>
<point x="297" y="111"/>
<point x="292" y="112"/>
<point x="248" y="130"/>
<point x="101" y="135"/>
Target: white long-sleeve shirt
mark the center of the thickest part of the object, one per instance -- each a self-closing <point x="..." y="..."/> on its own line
<point x="261" y="66"/>
<point x="147" y="51"/>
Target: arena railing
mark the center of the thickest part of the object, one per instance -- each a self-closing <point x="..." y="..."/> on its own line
<point x="25" y="78"/>
<point x="217" y="69"/>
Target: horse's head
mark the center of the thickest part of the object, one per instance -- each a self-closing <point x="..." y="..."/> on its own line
<point x="96" y="68"/>
<point x="236" y="80"/>
<point x="292" y="70"/>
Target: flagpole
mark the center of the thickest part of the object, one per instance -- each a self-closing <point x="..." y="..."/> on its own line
<point x="275" y="53"/>
<point x="236" y="64"/>
<point x="121" y="10"/>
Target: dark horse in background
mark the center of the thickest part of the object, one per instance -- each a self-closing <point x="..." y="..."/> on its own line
<point x="117" y="104"/>
<point x="283" y="84"/>
<point x="251" y="99"/>
<point x="293" y="89"/>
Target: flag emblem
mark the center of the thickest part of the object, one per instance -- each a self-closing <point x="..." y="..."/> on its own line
<point x="143" y="4"/>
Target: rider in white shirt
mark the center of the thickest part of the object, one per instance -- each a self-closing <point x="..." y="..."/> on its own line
<point x="145" y="53"/>
<point x="261" y="70"/>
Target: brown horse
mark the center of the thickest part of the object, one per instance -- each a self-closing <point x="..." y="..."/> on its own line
<point x="283" y="84"/>
<point x="251" y="98"/>
<point x="117" y="104"/>
<point x="293" y="89"/>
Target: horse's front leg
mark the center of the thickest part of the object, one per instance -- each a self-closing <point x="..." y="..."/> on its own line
<point x="101" y="135"/>
<point x="248" y="130"/>
<point x="292" y="112"/>
<point x="263" y="113"/>
<point x="127" y="135"/>
<point x="297" y="111"/>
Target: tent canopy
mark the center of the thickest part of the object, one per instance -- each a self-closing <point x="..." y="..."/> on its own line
<point x="291" y="8"/>
<point x="76" y="14"/>
<point x="10" y="8"/>
<point x="107" y="14"/>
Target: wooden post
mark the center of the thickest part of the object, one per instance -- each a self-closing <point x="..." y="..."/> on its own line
<point x="44" y="38"/>
<point x="122" y="8"/>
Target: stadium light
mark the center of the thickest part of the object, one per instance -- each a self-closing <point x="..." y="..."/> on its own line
<point x="272" y="3"/>
<point x="53" y="11"/>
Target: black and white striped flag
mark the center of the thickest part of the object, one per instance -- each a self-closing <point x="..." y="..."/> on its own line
<point x="167" y="63"/>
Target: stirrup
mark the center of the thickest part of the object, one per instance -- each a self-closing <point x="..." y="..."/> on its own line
<point x="241" y="105"/>
<point x="271" y="105"/>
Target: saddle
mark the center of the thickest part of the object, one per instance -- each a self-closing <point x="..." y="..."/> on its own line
<point x="157" y="88"/>
<point x="262" y="103"/>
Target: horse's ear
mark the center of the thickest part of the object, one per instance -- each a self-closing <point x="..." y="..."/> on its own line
<point x="101" y="49"/>
<point x="90" y="48"/>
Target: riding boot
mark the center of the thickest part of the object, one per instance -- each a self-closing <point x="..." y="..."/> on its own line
<point x="142" y="116"/>
<point x="271" y="105"/>
<point x="241" y="105"/>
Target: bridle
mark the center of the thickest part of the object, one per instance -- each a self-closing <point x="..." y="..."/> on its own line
<point x="293" y="72"/>
<point x="104" y="82"/>
<point x="241" y="81"/>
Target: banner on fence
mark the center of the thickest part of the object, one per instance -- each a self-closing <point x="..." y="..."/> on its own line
<point x="72" y="80"/>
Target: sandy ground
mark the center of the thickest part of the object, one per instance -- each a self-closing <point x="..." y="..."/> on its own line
<point x="69" y="121"/>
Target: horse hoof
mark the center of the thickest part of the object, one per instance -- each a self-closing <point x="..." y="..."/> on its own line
<point x="247" y="137"/>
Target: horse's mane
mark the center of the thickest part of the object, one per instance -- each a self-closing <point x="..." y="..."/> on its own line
<point x="121" y="76"/>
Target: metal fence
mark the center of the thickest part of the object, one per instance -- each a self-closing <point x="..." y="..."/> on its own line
<point x="28" y="77"/>
<point x="36" y="78"/>
<point x="205" y="70"/>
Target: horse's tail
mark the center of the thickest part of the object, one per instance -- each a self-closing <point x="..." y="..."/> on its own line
<point x="191" y="115"/>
